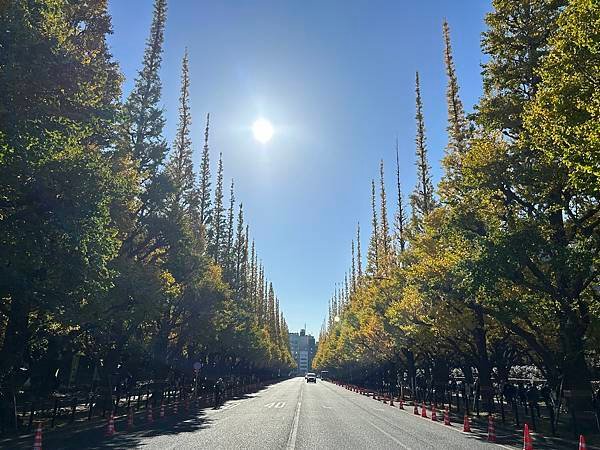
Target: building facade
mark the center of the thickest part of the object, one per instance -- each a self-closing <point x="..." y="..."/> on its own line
<point x="303" y="350"/>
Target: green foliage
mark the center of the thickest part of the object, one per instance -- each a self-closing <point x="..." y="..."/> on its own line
<point x="505" y="270"/>
<point x="103" y="245"/>
<point x="58" y="104"/>
<point x="421" y="200"/>
<point x="564" y="119"/>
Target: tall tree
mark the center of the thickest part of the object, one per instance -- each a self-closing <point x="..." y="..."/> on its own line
<point x="536" y="225"/>
<point x="346" y="289"/>
<point x="204" y="183"/>
<point x="245" y="264"/>
<point x="563" y="120"/>
<point x="384" y="231"/>
<point x="143" y="119"/>
<point x="240" y="245"/>
<point x="374" y="251"/>
<point x="253" y="278"/>
<point x="180" y="168"/>
<point x="59" y="89"/>
<point x="458" y="127"/>
<point x="359" y="271"/>
<point x="400" y="217"/>
<point x="218" y="227"/>
<point x="421" y="200"/>
<point x="229" y="240"/>
<point x="517" y="37"/>
<point x="353" y="269"/>
<point x="271" y="312"/>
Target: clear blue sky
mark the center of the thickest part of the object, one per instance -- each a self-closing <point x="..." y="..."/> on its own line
<point x="336" y="79"/>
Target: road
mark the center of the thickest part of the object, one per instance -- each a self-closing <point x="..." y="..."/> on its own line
<point x="287" y="415"/>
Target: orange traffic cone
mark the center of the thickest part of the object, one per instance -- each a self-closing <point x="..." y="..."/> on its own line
<point x="37" y="440"/>
<point x="162" y="410"/>
<point x="415" y="409"/>
<point x="433" y="413"/>
<point x="447" y="417"/>
<point x="401" y="405"/>
<point x="527" y="443"/>
<point x="491" y="429"/>
<point x="582" y="445"/>
<point x="423" y="410"/>
<point x="150" y="417"/>
<point x="110" y="428"/>
<point x="466" y="424"/>
<point x="130" y="418"/>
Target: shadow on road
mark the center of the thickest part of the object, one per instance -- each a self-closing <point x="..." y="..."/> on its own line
<point x="94" y="437"/>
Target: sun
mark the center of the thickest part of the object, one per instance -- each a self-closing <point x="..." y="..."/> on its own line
<point x="262" y="130"/>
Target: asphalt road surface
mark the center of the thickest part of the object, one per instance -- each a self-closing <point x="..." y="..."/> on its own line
<point x="288" y="415"/>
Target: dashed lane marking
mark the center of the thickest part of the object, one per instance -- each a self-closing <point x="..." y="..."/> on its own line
<point x="381" y="430"/>
<point x="458" y="430"/>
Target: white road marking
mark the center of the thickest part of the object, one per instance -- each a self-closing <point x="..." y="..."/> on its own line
<point x="381" y="430"/>
<point x="291" y="443"/>
<point x="327" y="407"/>
<point x="457" y="429"/>
<point x="230" y="405"/>
<point x="276" y="405"/>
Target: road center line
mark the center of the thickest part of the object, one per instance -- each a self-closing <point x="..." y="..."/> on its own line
<point x="291" y="444"/>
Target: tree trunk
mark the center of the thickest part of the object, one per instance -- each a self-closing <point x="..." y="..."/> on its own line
<point x="412" y="371"/>
<point x="16" y="339"/>
<point x="16" y="336"/>
<point x="575" y="368"/>
<point x="484" y="366"/>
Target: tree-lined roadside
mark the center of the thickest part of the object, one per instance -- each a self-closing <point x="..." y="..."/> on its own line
<point x="499" y="267"/>
<point x="119" y="263"/>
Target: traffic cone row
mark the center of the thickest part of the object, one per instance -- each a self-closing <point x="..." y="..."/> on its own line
<point x="527" y="443"/>
<point x="37" y="440"/>
<point x="176" y="407"/>
<point x="491" y="429"/>
<point x="491" y="437"/>
<point x="466" y="424"/>
<point x="110" y="428"/>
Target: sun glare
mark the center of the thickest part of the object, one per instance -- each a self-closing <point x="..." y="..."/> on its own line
<point x="262" y="130"/>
